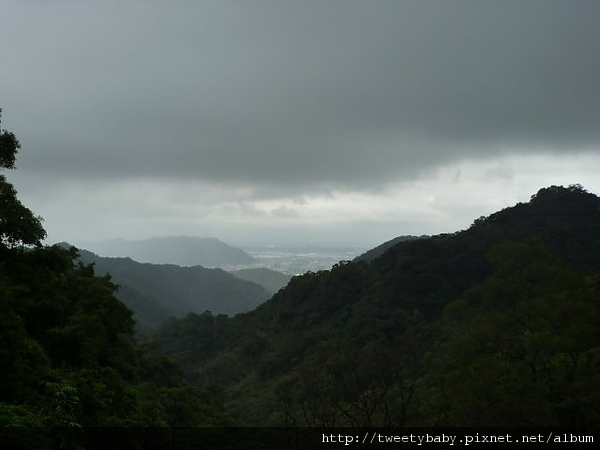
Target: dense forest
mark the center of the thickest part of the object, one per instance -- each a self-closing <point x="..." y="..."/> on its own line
<point x="68" y="356"/>
<point x="495" y="325"/>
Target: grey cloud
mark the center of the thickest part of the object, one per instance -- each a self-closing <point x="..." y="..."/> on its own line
<point x="298" y="96"/>
<point x="284" y="212"/>
<point x="501" y="171"/>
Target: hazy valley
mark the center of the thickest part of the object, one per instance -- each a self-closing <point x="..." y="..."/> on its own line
<point x="217" y="277"/>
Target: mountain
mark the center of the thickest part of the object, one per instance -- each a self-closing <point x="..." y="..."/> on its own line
<point x="382" y="248"/>
<point x="179" y="250"/>
<point x="271" y="280"/>
<point x="495" y="325"/>
<point x="158" y="291"/>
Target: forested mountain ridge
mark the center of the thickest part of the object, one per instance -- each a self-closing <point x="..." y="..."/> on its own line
<point x="496" y="325"/>
<point x="159" y="291"/>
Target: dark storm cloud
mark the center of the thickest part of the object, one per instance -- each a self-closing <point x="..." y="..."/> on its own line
<point x="306" y="95"/>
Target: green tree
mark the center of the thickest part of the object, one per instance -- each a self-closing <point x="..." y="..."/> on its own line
<point x="18" y="225"/>
<point x="524" y="347"/>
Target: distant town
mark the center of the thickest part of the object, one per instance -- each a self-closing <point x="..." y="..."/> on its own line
<point x="299" y="260"/>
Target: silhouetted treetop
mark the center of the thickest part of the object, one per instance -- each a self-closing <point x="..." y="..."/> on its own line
<point x="9" y="145"/>
<point x="18" y="225"/>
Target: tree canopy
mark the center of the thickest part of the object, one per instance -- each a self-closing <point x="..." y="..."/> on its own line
<point x="18" y="225"/>
<point x="68" y="355"/>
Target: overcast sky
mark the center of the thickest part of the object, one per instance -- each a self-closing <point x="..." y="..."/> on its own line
<point x="333" y="122"/>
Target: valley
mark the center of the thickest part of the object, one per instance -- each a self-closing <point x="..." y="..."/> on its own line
<point x="299" y="260"/>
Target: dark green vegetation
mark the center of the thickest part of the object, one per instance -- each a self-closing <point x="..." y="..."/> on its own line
<point x="68" y="358"/>
<point x="271" y="280"/>
<point x="382" y="248"/>
<point x="496" y="325"/>
<point x="157" y="292"/>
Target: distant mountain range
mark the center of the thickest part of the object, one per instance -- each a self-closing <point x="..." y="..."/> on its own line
<point x="159" y="291"/>
<point x="180" y="250"/>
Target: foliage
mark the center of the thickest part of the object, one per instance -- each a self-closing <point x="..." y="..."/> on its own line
<point x="456" y="329"/>
<point x="67" y="349"/>
<point x="18" y="225"/>
<point x="523" y="348"/>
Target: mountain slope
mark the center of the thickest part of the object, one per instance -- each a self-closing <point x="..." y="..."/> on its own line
<point x="158" y="291"/>
<point x="271" y="280"/>
<point x="382" y="248"/>
<point x="370" y="343"/>
<point x="179" y="250"/>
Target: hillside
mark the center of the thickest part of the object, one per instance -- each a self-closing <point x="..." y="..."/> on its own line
<point x="271" y="280"/>
<point x="158" y="291"/>
<point x="382" y="248"/>
<point x="179" y="250"/>
<point x="422" y="335"/>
